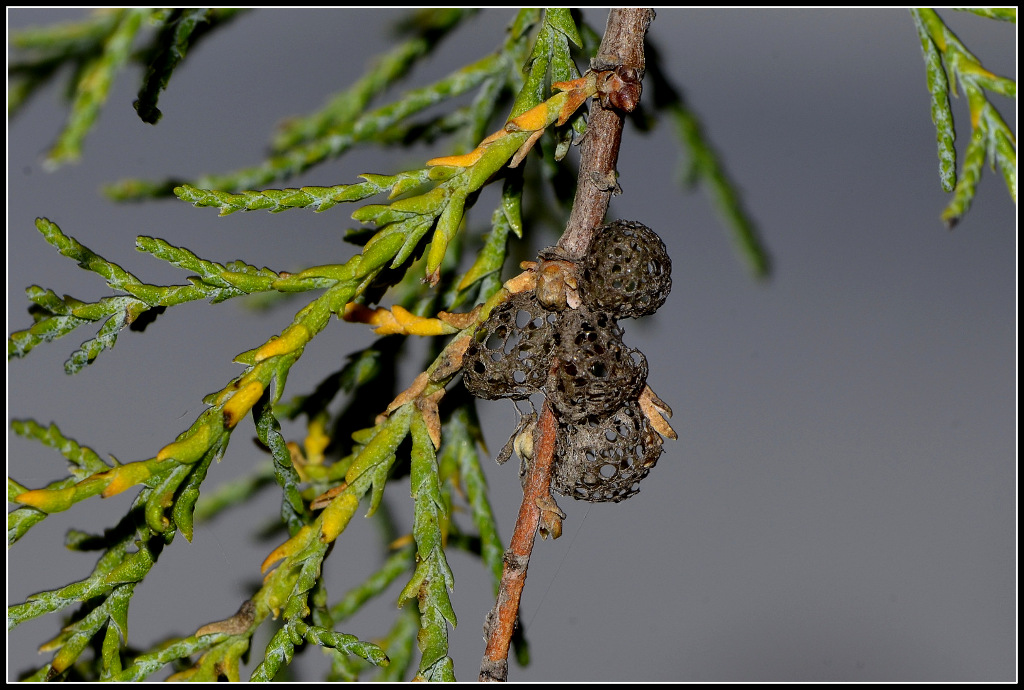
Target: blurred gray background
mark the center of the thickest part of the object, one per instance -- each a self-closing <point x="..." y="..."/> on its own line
<point x="841" y="502"/>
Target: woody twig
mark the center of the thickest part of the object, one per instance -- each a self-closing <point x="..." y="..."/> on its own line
<point x="501" y="620"/>
<point x="619" y="66"/>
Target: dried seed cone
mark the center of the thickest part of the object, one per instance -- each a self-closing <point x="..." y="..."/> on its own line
<point x="627" y="271"/>
<point x="604" y="461"/>
<point x="594" y="372"/>
<point x="511" y="352"/>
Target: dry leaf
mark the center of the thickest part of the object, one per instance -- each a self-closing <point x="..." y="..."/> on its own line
<point x="431" y="417"/>
<point x="414" y="391"/>
<point x="451" y="358"/>
<point x="236" y="625"/>
<point x="657" y="412"/>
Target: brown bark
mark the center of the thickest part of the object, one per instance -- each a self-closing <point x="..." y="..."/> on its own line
<point x="621" y="53"/>
<point x="502" y="619"/>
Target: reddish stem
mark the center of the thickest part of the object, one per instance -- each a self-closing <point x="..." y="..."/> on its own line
<point x="621" y="53"/>
<point x="501" y="621"/>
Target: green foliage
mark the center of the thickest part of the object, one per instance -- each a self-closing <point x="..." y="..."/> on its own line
<point x="85" y="462"/>
<point x="432" y="578"/>
<point x="98" y="48"/>
<point x="1003" y="14"/>
<point x="418" y="239"/>
<point x="947" y="62"/>
<point x="129" y="551"/>
<point x="367" y="127"/>
<point x="179" y="30"/>
<point x="430" y="199"/>
<point x="427" y="28"/>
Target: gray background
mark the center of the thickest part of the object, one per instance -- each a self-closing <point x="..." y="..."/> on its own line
<point x="841" y="502"/>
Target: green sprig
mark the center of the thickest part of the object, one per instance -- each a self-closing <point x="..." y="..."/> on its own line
<point x="317" y="198"/>
<point x="148" y="663"/>
<point x="85" y="460"/>
<point x="433" y="578"/>
<point x="56" y="316"/>
<point x="948" y="62"/>
<point x="431" y="27"/>
<point x="365" y="129"/>
<point x="942" y="114"/>
<point x="98" y="48"/>
<point x="106" y="592"/>
<point x="51" y="47"/>
<point x="94" y="86"/>
<point x="67" y="39"/>
<point x="341" y="642"/>
<point x="707" y="167"/>
<point x="1003" y="14"/>
<point x="169" y="49"/>
<point x="294" y="513"/>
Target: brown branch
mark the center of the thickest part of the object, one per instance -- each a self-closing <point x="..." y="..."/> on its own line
<point x="501" y="621"/>
<point x="619" y="65"/>
<point x="621" y="56"/>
